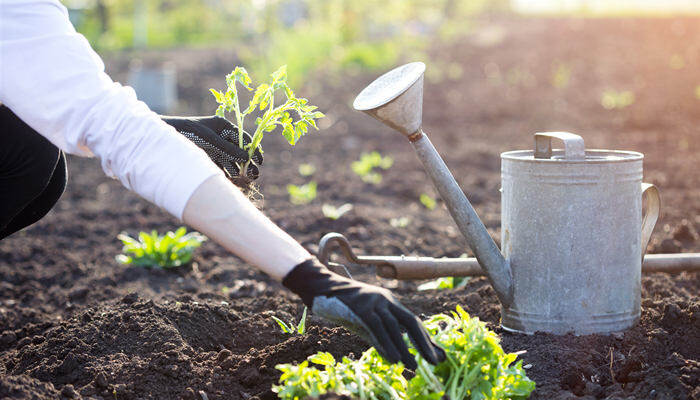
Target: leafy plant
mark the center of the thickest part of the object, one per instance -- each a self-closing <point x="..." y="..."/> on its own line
<point x="447" y="282"/>
<point x="676" y="62"/>
<point x="561" y="76"/>
<point x="153" y="250"/>
<point x="365" y="166"/>
<point x="306" y="169"/>
<point x="332" y="212"/>
<point x="370" y="377"/>
<point x="271" y="116"/>
<point x="612" y="99"/>
<point x="303" y="194"/>
<point x="400" y="222"/>
<point x="476" y="368"/>
<point x="292" y="328"/>
<point x="428" y="201"/>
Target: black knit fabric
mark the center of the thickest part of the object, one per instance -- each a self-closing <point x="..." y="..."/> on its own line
<point x="32" y="174"/>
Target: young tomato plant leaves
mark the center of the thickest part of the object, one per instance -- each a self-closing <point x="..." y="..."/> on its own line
<point x="292" y="328"/>
<point x="153" y="250"/>
<point x="303" y="194"/>
<point x="476" y="368"/>
<point x="366" y="166"/>
<point x="293" y="115"/>
<point x="332" y="212"/>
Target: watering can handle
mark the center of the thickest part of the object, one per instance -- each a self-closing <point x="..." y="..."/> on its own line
<point x="574" y="149"/>
<point x="651" y="213"/>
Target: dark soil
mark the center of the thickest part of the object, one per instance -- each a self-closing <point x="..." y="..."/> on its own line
<point x="76" y="324"/>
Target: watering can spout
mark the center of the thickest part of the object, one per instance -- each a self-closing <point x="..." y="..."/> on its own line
<point x="396" y="99"/>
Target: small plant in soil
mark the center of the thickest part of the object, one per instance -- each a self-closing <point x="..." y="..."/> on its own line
<point x="444" y="283"/>
<point x="269" y="114"/>
<point x="616" y="100"/>
<point x="400" y="222"/>
<point x="306" y="169"/>
<point x="152" y="250"/>
<point x="303" y="194"/>
<point x="368" y="162"/>
<point x="476" y="368"/>
<point x="332" y="212"/>
<point x="427" y="201"/>
<point x="292" y="328"/>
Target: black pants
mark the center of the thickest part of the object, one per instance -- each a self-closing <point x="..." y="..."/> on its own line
<point x="32" y="174"/>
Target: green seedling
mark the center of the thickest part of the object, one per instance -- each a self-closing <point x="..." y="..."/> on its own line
<point x="153" y="250"/>
<point x="332" y="212"/>
<point x="368" y="162"/>
<point x="370" y="377"/>
<point x="292" y="328"/>
<point x="400" y="222"/>
<point x="269" y="115"/>
<point x="561" y="76"/>
<point x="676" y="62"/>
<point x="428" y="201"/>
<point x="306" y="169"/>
<point x="476" y="368"/>
<point x="303" y="194"/>
<point x="444" y="283"/>
<point x="614" y="100"/>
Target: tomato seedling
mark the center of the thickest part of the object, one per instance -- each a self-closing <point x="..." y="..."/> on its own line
<point x="303" y="194"/>
<point x="269" y="115"/>
<point x="293" y="328"/>
<point x="332" y="212"/>
<point x="153" y="250"/>
<point x="476" y="367"/>
<point x="427" y="201"/>
<point x="368" y="162"/>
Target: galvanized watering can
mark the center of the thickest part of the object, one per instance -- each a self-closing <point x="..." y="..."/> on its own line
<point x="573" y="232"/>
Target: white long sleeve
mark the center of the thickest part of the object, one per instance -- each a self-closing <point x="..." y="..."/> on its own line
<point x="53" y="80"/>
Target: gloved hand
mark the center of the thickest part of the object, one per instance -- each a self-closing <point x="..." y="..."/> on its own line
<point x="371" y="312"/>
<point x="219" y="139"/>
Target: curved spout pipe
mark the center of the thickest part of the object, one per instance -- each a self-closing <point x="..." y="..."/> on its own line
<point x="462" y="212"/>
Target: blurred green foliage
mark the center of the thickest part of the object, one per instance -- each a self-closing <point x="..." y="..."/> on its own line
<point x="616" y="100"/>
<point x="307" y="35"/>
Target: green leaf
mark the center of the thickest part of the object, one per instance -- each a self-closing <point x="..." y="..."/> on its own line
<point x="285" y="328"/>
<point x="322" y="358"/>
<point x="301" y="326"/>
<point x="303" y="194"/>
<point x="428" y="201"/>
<point x="217" y="95"/>
<point x="241" y="75"/>
<point x="306" y="169"/>
<point x="154" y="250"/>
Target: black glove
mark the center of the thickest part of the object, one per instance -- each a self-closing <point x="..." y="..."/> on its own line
<point x="371" y="312"/>
<point x="219" y="139"/>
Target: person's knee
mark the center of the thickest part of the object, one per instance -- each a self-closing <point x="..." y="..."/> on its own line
<point x="29" y="159"/>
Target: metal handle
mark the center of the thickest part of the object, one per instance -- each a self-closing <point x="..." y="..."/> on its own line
<point x="574" y="149"/>
<point x="651" y="214"/>
<point x="406" y="268"/>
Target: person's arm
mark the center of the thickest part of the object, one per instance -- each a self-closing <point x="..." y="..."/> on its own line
<point x="54" y="81"/>
<point x="220" y="211"/>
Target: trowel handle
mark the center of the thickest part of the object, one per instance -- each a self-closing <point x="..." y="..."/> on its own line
<point x="651" y="213"/>
<point x="397" y="267"/>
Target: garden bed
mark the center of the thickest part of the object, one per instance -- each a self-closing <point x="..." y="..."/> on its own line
<point x="75" y="323"/>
